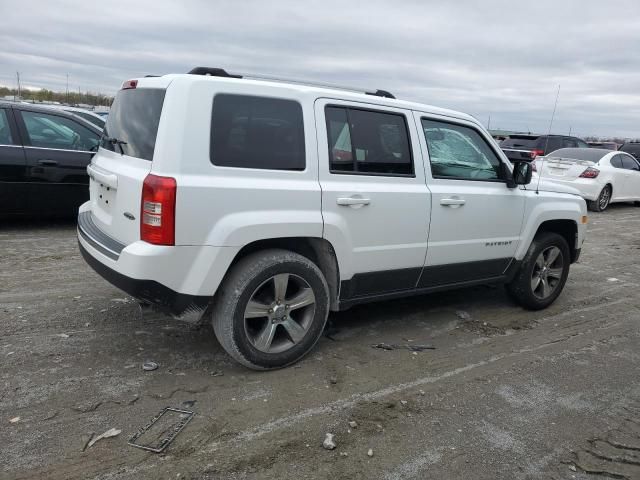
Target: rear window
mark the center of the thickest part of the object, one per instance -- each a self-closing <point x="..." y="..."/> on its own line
<point x="580" y="154"/>
<point x="133" y="122"/>
<point x="632" y="148"/>
<point x="257" y="132"/>
<point x="519" y="142"/>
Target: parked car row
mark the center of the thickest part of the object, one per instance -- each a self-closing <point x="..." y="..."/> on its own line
<point x="601" y="176"/>
<point x="603" y="172"/>
<point x="44" y="154"/>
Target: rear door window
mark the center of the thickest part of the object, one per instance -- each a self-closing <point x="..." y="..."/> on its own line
<point x="568" y="142"/>
<point x="52" y="131"/>
<point x="549" y="144"/>
<point x="6" y="138"/>
<point x="257" y="132"/>
<point x="368" y="142"/>
<point x="133" y="122"/>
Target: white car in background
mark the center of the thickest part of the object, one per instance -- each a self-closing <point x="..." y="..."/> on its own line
<point x="601" y="176"/>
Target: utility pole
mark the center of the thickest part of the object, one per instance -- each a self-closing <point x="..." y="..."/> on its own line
<point x="570" y="130"/>
<point x="79" y="95"/>
<point x="67" y="88"/>
<point x="19" y="89"/>
<point x="489" y="123"/>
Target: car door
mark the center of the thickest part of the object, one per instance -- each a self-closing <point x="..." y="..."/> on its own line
<point x="476" y="220"/>
<point x="58" y="150"/>
<point x="632" y="177"/>
<point x="618" y="178"/>
<point x="13" y="167"/>
<point x="375" y="202"/>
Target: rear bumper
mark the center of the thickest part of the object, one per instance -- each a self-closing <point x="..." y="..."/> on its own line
<point x="178" y="280"/>
<point x="588" y="188"/>
<point x="178" y="305"/>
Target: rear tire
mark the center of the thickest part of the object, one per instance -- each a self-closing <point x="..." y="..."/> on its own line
<point x="271" y="309"/>
<point x="603" y="200"/>
<point x="543" y="272"/>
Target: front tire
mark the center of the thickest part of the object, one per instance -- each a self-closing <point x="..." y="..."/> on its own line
<point x="543" y="272"/>
<point x="603" y="200"/>
<point x="271" y="309"/>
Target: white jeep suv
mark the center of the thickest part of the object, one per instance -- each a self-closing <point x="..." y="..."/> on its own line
<point x="263" y="205"/>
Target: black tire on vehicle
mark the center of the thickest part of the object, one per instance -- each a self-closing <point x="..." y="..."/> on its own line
<point x="602" y="202"/>
<point x="540" y="279"/>
<point x="271" y="309"/>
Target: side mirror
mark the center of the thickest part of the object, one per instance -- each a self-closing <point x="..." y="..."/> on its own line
<point x="522" y="172"/>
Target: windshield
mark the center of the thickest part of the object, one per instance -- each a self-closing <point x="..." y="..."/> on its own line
<point x="133" y="121"/>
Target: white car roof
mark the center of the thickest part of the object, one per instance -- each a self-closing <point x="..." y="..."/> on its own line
<point x="305" y="88"/>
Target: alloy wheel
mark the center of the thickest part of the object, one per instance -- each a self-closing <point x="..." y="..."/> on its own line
<point x="279" y="313"/>
<point x="605" y="196"/>
<point x="547" y="272"/>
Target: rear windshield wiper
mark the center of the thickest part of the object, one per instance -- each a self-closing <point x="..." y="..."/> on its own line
<point x="116" y="141"/>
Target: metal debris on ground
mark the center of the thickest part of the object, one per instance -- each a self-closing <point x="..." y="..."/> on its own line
<point x="411" y="348"/>
<point x="112" y="432"/>
<point x="149" y="366"/>
<point x="353" y="424"/>
<point x="328" y="443"/>
<point x="462" y="315"/>
<point x="162" y="429"/>
<point x="14" y="420"/>
<point x="188" y="403"/>
<point x="370" y="452"/>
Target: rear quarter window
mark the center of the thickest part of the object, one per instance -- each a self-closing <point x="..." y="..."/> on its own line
<point x="257" y="132"/>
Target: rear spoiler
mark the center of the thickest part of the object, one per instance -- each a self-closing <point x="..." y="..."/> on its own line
<point x="567" y="160"/>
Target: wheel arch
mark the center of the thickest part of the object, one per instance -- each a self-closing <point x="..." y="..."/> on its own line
<point x="567" y="228"/>
<point x="318" y="250"/>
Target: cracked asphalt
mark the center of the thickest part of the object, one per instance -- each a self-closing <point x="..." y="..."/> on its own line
<point x="505" y="394"/>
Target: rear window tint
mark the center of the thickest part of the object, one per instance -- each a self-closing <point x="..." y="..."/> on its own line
<point x="133" y="121"/>
<point x="519" y="142"/>
<point x="257" y="132"/>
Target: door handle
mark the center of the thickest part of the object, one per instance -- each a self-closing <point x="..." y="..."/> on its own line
<point x="352" y="201"/>
<point x="47" y="163"/>
<point x="452" y="202"/>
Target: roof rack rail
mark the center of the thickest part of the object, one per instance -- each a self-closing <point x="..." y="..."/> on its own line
<point x="212" y="72"/>
<point x="219" y="72"/>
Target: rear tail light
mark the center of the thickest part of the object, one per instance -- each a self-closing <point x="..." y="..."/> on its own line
<point x="535" y="152"/>
<point x="590" y="173"/>
<point x="158" y="210"/>
<point x="129" y="84"/>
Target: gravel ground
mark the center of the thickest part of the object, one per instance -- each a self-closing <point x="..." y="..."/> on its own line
<point x="505" y="394"/>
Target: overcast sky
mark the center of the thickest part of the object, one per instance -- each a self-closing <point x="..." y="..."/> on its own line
<point x="499" y="58"/>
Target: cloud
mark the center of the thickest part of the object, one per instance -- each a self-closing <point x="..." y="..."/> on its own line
<point x="499" y="58"/>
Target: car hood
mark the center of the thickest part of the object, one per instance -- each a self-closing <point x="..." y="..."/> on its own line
<point x="551" y="186"/>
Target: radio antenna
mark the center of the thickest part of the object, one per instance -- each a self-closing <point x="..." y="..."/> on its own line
<point x="546" y="143"/>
